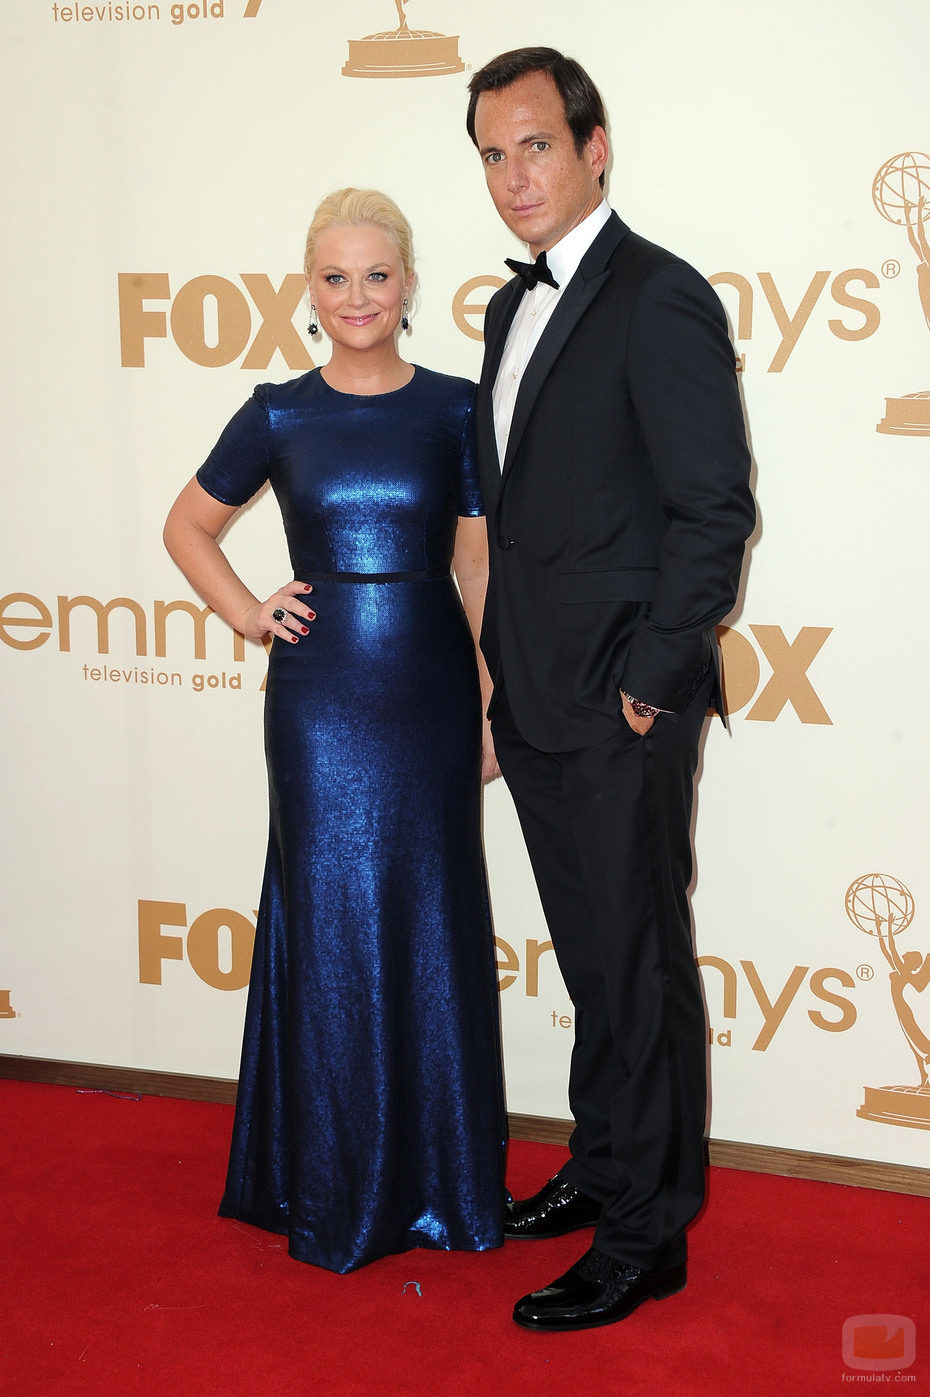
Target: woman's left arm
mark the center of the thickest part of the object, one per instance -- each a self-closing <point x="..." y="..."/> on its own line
<point x="470" y="565"/>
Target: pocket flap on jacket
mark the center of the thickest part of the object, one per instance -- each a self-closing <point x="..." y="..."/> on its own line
<point x="607" y="584"/>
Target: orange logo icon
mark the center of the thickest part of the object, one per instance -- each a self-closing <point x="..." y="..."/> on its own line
<point x="403" y="52"/>
<point x="901" y="193"/>
<point x="6" y="1009"/>
<point x="879" y="1343"/>
<point x="883" y="907"/>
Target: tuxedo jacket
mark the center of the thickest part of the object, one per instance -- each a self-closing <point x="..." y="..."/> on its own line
<point x="618" y="522"/>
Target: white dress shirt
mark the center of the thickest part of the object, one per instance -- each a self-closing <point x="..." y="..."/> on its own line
<point x="533" y="315"/>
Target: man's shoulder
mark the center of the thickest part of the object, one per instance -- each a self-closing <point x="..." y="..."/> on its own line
<point x="637" y="255"/>
<point x="645" y="275"/>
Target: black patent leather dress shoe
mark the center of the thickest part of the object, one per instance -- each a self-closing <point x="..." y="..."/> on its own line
<point x="598" y="1289"/>
<point x="556" y="1209"/>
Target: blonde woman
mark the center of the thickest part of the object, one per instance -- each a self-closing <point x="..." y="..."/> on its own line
<point x="369" y="1118"/>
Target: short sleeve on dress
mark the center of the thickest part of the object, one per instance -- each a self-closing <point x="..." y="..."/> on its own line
<point x="471" y="504"/>
<point x="238" y="465"/>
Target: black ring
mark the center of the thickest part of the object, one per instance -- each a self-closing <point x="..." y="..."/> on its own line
<point x="279" y="615"/>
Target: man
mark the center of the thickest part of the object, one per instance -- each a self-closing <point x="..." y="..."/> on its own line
<point x="614" y="467"/>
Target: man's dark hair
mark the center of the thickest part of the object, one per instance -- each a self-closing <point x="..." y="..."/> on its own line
<point x="584" y="106"/>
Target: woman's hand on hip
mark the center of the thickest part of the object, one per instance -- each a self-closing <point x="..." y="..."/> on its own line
<point x="284" y="614"/>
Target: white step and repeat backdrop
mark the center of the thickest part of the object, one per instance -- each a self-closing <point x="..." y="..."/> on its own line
<point x="162" y="162"/>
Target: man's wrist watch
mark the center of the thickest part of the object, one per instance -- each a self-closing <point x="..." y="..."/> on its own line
<point x="642" y="710"/>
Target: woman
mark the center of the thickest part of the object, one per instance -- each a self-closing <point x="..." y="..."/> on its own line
<point x="369" y="1118"/>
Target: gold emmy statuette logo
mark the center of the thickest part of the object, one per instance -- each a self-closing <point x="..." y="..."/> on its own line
<point x="901" y="193"/>
<point x="6" y="1009"/>
<point x="883" y="907"/>
<point x="403" y="52"/>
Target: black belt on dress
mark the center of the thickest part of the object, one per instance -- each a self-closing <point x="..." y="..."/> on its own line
<point x="421" y="576"/>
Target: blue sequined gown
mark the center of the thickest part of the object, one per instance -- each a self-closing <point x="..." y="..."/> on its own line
<point x="369" y="1117"/>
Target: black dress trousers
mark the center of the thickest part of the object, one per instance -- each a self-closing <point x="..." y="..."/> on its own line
<point x="608" y="829"/>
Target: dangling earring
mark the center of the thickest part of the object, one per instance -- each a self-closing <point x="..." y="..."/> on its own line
<point x="405" y="319"/>
<point x="313" y="328"/>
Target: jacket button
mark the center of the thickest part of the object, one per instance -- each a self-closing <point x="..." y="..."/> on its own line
<point x="506" y="543"/>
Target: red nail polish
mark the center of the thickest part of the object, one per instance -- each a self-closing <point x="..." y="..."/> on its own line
<point x="293" y="640"/>
<point x="304" y="630"/>
<point x="307" y="587"/>
<point x="312" y="615"/>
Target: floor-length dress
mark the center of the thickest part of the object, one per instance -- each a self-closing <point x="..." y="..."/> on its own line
<point x="369" y="1117"/>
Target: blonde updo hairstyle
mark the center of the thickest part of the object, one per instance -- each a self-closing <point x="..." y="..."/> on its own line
<point x="352" y="207"/>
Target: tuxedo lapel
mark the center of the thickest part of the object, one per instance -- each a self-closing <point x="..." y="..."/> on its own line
<point x="510" y="296"/>
<point x="578" y="295"/>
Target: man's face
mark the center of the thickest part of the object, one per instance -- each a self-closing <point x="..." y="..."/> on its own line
<point x="541" y="186"/>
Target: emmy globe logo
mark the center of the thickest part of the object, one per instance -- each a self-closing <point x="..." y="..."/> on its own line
<point x="403" y="52"/>
<point x="901" y="193"/>
<point x="883" y="907"/>
<point x="6" y="1009"/>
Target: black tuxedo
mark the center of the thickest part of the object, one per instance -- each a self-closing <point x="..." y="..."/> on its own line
<point x="616" y="533"/>
<point x="617" y="525"/>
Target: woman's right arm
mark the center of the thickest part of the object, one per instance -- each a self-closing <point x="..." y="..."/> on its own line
<point x="193" y="525"/>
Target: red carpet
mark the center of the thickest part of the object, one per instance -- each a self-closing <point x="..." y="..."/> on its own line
<point x="116" y="1277"/>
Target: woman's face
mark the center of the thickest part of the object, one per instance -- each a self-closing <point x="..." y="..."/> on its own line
<point x="358" y="285"/>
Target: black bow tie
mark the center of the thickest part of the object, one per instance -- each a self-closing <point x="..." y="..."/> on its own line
<point x="533" y="272"/>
